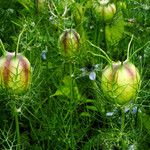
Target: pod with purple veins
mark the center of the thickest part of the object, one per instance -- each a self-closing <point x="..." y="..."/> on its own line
<point x="120" y="82"/>
<point x="105" y="11"/>
<point x="15" y="73"/>
<point x="69" y="42"/>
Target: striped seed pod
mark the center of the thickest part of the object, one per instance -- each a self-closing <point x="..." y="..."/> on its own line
<point x="69" y="42"/>
<point x="120" y="82"/>
<point x="15" y="73"/>
<point x="105" y="11"/>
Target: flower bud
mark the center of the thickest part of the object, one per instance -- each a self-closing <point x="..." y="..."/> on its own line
<point x="15" y="73"/>
<point x="120" y="82"/>
<point x="105" y="11"/>
<point x="69" y="42"/>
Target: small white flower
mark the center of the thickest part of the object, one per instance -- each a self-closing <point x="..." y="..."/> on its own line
<point x="92" y="75"/>
<point x="109" y="114"/>
<point x="132" y="147"/>
<point x="90" y="71"/>
<point x="43" y="54"/>
<point x="134" y="110"/>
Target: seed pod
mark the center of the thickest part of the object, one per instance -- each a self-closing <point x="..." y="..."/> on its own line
<point x="105" y="11"/>
<point x="122" y="5"/>
<point x="15" y="73"/>
<point x="120" y="82"/>
<point x="78" y="13"/>
<point x="40" y="6"/>
<point x="69" y="42"/>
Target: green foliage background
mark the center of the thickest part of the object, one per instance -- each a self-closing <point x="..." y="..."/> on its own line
<point x="64" y="109"/>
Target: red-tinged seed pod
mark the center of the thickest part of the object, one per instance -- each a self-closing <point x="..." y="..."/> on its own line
<point x="69" y="42"/>
<point x="120" y="82"/>
<point x="15" y="73"/>
<point x="104" y="10"/>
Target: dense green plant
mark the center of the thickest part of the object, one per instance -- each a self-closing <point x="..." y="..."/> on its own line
<point x="65" y="107"/>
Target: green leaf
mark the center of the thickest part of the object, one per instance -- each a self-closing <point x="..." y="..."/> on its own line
<point x="114" y="31"/>
<point x="65" y="89"/>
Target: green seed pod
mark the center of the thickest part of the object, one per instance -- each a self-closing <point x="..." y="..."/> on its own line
<point x="122" y="5"/>
<point x="41" y="5"/>
<point x="15" y="73"/>
<point x="120" y="82"/>
<point x="78" y="13"/>
<point x="105" y="10"/>
<point x="69" y="42"/>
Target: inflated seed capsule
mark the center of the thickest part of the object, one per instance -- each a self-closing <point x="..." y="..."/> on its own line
<point x="69" y="42"/>
<point x="15" y="73"/>
<point x="120" y="82"/>
<point x="105" y="11"/>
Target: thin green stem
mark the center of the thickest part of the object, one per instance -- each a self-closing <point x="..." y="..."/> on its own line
<point x="97" y="33"/>
<point x="106" y="57"/>
<point x="71" y="85"/>
<point x="98" y="55"/>
<point x="122" y="120"/>
<point x="122" y="127"/>
<point x="17" y="128"/>
<point x="128" y="50"/>
<point x="71" y="66"/>
<point x="3" y="48"/>
<point x="16" y="52"/>
<point x="139" y="49"/>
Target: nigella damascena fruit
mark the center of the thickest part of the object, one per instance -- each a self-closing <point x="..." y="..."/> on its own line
<point x="120" y="82"/>
<point x="15" y="73"/>
<point x="69" y="42"/>
<point x="105" y="10"/>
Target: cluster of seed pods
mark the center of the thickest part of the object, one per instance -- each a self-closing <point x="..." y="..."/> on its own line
<point x="120" y="81"/>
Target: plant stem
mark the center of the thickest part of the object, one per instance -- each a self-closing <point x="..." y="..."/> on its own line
<point x="17" y="128"/>
<point x="102" y="51"/>
<point x="122" y="119"/>
<point x="139" y="49"/>
<point x="122" y="128"/>
<point x="71" y="100"/>
<point x="71" y="85"/>
<point x="16" y="52"/>
<point x="98" y="55"/>
<point x="128" y="51"/>
<point x="3" y="48"/>
<point x="97" y="36"/>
